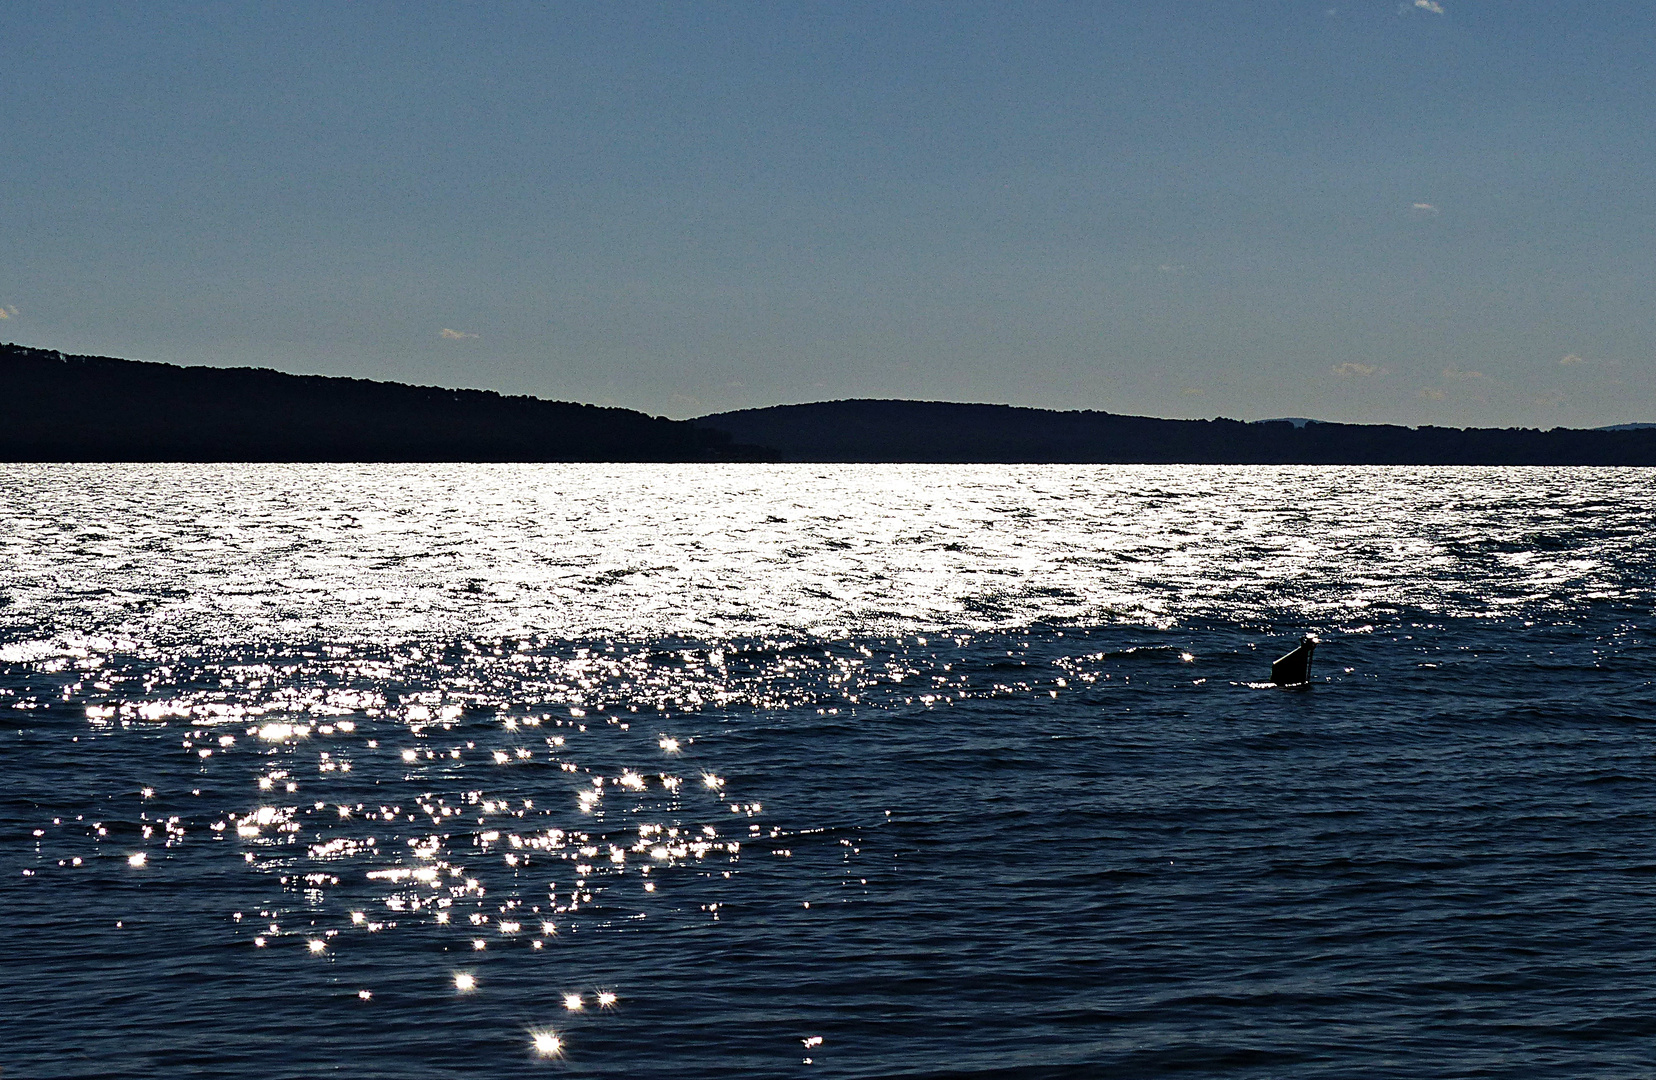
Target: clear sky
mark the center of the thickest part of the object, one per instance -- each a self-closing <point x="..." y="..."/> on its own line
<point x="1435" y="211"/>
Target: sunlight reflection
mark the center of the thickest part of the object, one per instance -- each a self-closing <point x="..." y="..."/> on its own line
<point x="413" y="830"/>
<point x="277" y="732"/>
<point x="438" y="832"/>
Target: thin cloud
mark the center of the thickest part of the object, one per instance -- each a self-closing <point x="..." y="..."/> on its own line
<point x="1573" y="359"/>
<point x="1353" y="368"/>
<point x="1192" y="391"/>
<point x="1430" y="5"/>
<point x="6" y="311"/>
<point x="1551" y="398"/>
<point x="454" y="335"/>
<point x="1431" y="393"/>
<point x="1423" y="209"/>
<point x="1451" y="373"/>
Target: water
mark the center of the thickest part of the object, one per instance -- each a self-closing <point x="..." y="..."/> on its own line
<point x="800" y="771"/>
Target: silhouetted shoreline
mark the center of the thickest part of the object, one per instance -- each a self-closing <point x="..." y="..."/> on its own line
<point x="938" y="432"/>
<point x="89" y="408"/>
<point x="94" y="408"/>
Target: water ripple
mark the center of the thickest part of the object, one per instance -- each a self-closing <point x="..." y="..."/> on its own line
<point x="862" y="771"/>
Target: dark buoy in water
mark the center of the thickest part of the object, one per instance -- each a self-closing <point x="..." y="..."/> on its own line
<point x="1295" y="668"/>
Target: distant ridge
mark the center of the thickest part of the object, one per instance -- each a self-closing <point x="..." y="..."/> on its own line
<point x="940" y="431"/>
<point x="94" y="408"/>
<point x="56" y="407"/>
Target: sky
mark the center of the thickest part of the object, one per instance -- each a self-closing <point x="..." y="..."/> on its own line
<point x="1428" y="211"/>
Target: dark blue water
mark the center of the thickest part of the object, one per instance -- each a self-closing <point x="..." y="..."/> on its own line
<point x="1051" y="849"/>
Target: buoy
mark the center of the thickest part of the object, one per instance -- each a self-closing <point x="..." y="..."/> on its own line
<point x="1295" y="668"/>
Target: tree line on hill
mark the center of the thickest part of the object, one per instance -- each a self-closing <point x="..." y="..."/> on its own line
<point x="95" y="408"/>
<point x="56" y="407"/>
<point x="937" y="431"/>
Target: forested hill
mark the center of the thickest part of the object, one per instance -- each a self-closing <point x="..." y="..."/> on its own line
<point x="93" y="408"/>
<point x="55" y="407"/>
<point x="935" y="431"/>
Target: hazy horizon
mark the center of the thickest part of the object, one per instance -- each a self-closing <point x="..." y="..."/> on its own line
<point x="1430" y="212"/>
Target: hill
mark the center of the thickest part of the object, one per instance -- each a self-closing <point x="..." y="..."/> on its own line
<point x="93" y="408"/>
<point x="937" y="431"/>
<point x="96" y="408"/>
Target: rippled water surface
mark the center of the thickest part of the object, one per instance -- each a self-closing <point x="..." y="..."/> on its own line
<point x="408" y="771"/>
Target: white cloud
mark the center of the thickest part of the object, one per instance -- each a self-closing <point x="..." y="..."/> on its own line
<point x="1423" y="209"/>
<point x="1430" y="5"/>
<point x="1451" y="373"/>
<point x="454" y="335"/>
<point x="1573" y="359"/>
<point x="1352" y="368"/>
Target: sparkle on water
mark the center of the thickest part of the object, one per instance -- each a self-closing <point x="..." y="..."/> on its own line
<point x="295" y="553"/>
<point x="413" y="706"/>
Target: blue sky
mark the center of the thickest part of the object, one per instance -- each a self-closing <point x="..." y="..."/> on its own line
<point x="1435" y="212"/>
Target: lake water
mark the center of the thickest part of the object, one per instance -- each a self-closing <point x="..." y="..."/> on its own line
<point x="852" y="771"/>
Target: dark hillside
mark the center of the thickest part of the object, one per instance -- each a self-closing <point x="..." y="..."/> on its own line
<point x="936" y="431"/>
<point x="91" y="408"/>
